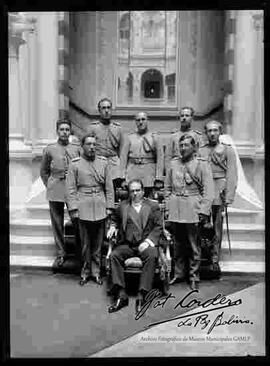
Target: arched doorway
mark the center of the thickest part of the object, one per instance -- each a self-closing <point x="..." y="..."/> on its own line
<point x="152" y="84"/>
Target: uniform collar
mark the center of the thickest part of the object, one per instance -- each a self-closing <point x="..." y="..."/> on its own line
<point x="62" y="143"/>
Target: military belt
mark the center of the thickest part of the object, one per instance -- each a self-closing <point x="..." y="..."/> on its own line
<point x="60" y="176"/>
<point x="218" y="175"/>
<point x="187" y="193"/>
<point x="90" y="190"/>
<point x="141" y="160"/>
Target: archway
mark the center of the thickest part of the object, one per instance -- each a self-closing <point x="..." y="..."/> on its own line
<point x="152" y="84"/>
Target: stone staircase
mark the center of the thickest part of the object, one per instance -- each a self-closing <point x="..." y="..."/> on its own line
<point x="32" y="244"/>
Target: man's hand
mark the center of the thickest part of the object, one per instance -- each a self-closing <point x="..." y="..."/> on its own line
<point x="167" y="234"/>
<point x="144" y="245"/>
<point x="203" y="218"/>
<point x="124" y="185"/>
<point x="108" y="211"/>
<point x="73" y="214"/>
<point x="111" y="232"/>
<point x="166" y="214"/>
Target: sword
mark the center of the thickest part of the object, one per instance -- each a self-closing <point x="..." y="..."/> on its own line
<point x="227" y="227"/>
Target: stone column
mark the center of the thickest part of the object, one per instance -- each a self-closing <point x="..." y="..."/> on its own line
<point x="248" y="96"/>
<point x="47" y="71"/>
<point x="20" y="154"/>
<point x="18" y="23"/>
<point x="247" y="71"/>
<point x="28" y="79"/>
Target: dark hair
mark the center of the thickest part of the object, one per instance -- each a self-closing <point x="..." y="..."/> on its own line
<point x="104" y="100"/>
<point x="90" y="134"/>
<point x="63" y="121"/>
<point x="135" y="181"/>
<point x="190" y="108"/>
<point x="217" y="123"/>
<point x="189" y="137"/>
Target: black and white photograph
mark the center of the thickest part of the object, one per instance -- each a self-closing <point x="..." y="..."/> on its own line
<point x="136" y="183"/>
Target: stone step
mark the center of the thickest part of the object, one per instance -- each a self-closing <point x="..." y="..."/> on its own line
<point x="239" y="216"/>
<point x="32" y="245"/>
<point x="45" y="262"/>
<point x="42" y="227"/>
<point x="41" y="211"/>
<point x="245" y="232"/>
<point x="31" y="227"/>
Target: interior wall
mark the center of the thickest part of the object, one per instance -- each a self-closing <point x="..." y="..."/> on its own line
<point x="93" y="55"/>
<point x="201" y="58"/>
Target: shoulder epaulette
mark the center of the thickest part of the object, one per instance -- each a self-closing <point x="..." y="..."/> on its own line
<point x="225" y="143"/>
<point x="75" y="143"/>
<point x="75" y="159"/>
<point x="174" y="130"/>
<point x="52" y="143"/>
<point x="94" y="122"/>
<point x="198" y="132"/>
<point x="175" y="158"/>
<point x="102" y="157"/>
<point x="204" y="145"/>
<point x="116" y="123"/>
<point x="201" y="158"/>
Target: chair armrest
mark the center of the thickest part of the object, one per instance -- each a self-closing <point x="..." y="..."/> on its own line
<point x="112" y="243"/>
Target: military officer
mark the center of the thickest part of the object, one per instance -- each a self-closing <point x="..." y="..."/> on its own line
<point x="53" y="171"/>
<point x="142" y="155"/>
<point x="109" y="137"/>
<point x="186" y="118"/>
<point x="90" y="197"/>
<point x="223" y="163"/>
<point x="189" y="192"/>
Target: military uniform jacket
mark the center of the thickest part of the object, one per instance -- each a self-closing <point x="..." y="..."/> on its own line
<point x="54" y="167"/>
<point x="148" y="222"/>
<point x="223" y="163"/>
<point x="142" y="158"/>
<point x="90" y="188"/>
<point x="109" y="142"/>
<point x="173" y="146"/>
<point x="186" y="197"/>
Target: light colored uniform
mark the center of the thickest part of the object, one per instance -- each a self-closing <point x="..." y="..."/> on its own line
<point x="109" y="142"/>
<point x="90" y="188"/>
<point x="184" y="199"/>
<point x="189" y="191"/>
<point x="172" y="150"/>
<point x="223" y="163"/>
<point x="53" y="171"/>
<point x="54" y="167"/>
<point x="142" y="158"/>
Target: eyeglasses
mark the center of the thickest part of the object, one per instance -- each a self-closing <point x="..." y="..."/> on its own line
<point x="140" y="119"/>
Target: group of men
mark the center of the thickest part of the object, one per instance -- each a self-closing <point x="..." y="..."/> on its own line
<point x="200" y="181"/>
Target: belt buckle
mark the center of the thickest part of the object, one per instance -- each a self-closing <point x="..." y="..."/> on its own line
<point x="139" y="160"/>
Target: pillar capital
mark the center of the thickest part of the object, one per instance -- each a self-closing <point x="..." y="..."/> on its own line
<point x="18" y="23"/>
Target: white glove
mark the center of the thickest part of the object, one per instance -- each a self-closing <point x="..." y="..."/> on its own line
<point x="111" y="232"/>
<point x="167" y="234"/>
<point x="144" y="245"/>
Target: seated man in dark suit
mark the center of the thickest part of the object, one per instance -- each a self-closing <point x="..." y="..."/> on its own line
<point x="139" y="223"/>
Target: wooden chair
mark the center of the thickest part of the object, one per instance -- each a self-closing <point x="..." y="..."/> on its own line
<point x="134" y="265"/>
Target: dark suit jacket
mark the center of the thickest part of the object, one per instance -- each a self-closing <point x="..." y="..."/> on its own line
<point x="151" y="221"/>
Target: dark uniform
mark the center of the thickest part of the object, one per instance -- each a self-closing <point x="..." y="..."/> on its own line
<point x="142" y="158"/>
<point x="90" y="191"/>
<point x="109" y="142"/>
<point x="173" y="146"/>
<point x="223" y="163"/>
<point x="189" y="191"/>
<point x="53" y="172"/>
